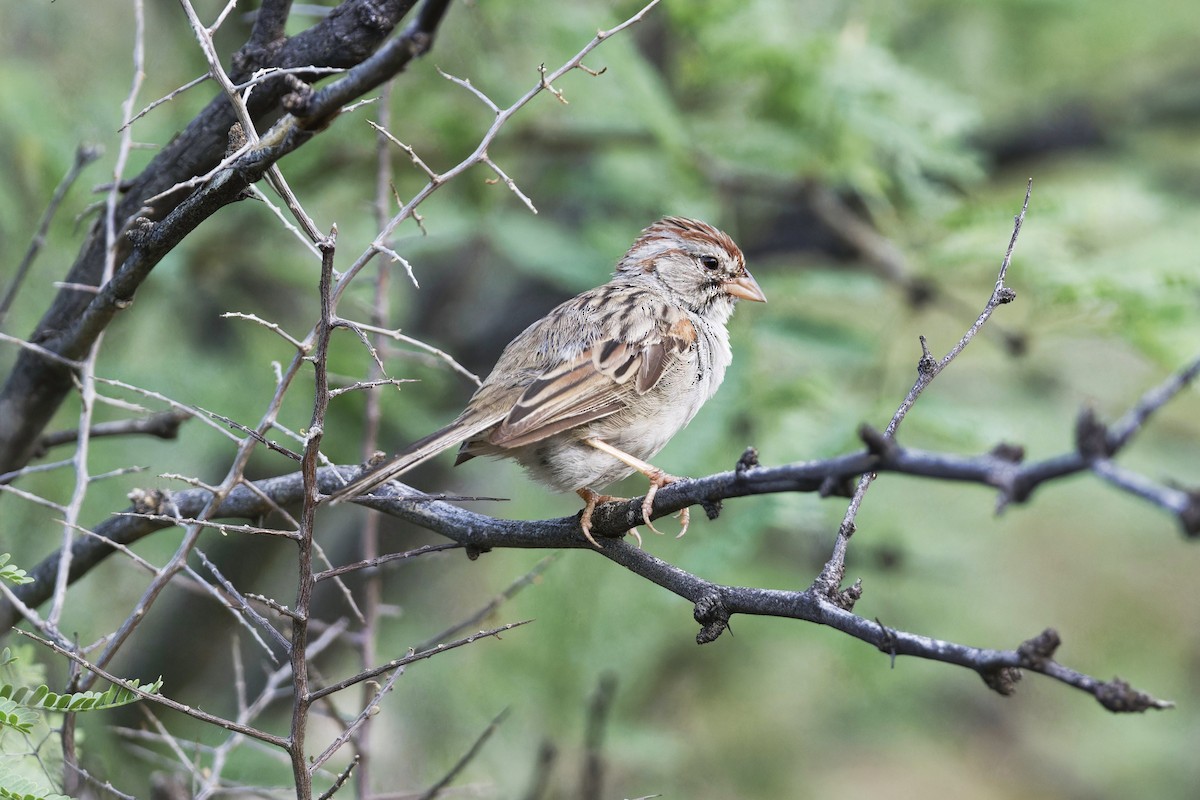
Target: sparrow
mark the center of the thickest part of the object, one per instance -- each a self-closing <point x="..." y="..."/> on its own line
<point x="583" y="396"/>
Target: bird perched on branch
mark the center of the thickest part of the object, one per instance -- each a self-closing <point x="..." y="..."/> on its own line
<point x="588" y="392"/>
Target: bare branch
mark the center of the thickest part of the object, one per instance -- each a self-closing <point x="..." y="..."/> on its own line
<point x="342" y="777"/>
<point x="410" y="658"/>
<point x="467" y="757"/>
<point x="1133" y="421"/>
<point x="368" y="711"/>
<point x="509" y="182"/>
<point x="477" y="157"/>
<point x="365" y="385"/>
<point x="490" y="608"/>
<point x="84" y="155"/>
<point x="412" y="154"/>
<point x="378" y="561"/>
<point x="244" y="606"/>
<point x="271" y="326"/>
<point x="301" y="702"/>
<point x="164" y="425"/>
<point x="830" y="579"/>
<point x="71" y="325"/>
<point x="194" y="82"/>
<point x="441" y="355"/>
<point x="401" y="260"/>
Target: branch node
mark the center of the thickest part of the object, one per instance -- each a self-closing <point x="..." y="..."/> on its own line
<point x="297" y="102"/>
<point x="1189" y="517"/>
<point x="747" y="462"/>
<point x="150" y="501"/>
<point x="1035" y="652"/>
<point x="474" y="551"/>
<point x="877" y="443"/>
<point x="139" y="231"/>
<point x="712" y="508"/>
<point x="713" y="617"/>
<point x="887" y="641"/>
<point x="1010" y="453"/>
<point x="835" y="486"/>
<point x="927" y="365"/>
<point x="236" y="139"/>
<point x="846" y="598"/>
<point x="1121" y="698"/>
<point x="1002" y="680"/>
<point x="1005" y="295"/>
<point x="1091" y="436"/>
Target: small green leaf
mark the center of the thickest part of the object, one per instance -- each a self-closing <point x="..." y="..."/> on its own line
<point x="14" y="575"/>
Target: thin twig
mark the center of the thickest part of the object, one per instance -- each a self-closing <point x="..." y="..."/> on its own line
<point x="164" y="425"/>
<point x="274" y="327"/>
<point x="592" y="782"/>
<point x="84" y="155"/>
<point x="833" y="573"/>
<point x="492" y="605"/>
<point x="378" y="561"/>
<point x="244" y="605"/>
<point x="467" y="757"/>
<point x="362" y="329"/>
<point x="481" y="150"/>
<point x="369" y="710"/>
<point x="410" y="658"/>
<point x="341" y="778"/>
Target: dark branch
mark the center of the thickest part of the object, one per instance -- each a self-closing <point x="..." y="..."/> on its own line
<point x="318" y="108"/>
<point x="37" y="386"/>
<point x="1015" y="481"/>
<point x="714" y="604"/>
<point x="161" y="426"/>
<point x="466" y="758"/>
<point x="84" y="155"/>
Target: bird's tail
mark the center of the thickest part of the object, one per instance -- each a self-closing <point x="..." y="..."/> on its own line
<point x="416" y="453"/>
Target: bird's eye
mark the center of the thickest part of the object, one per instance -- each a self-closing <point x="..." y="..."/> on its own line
<point x="709" y="262"/>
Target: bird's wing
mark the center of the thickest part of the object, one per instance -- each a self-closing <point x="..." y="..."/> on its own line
<point x="599" y="382"/>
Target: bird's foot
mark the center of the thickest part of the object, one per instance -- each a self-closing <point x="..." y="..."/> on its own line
<point x="590" y="501"/>
<point x="659" y="479"/>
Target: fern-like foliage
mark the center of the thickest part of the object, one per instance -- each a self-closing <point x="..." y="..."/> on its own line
<point x="18" y="717"/>
<point x="12" y="573"/>
<point x="25" y="766"/>
<point x="44" y="699"/>
<point x="15" y="787"/>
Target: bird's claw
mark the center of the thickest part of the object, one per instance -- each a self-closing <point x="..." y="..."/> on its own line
<point x="659" y="479"/>
<point x="590" y="501"/>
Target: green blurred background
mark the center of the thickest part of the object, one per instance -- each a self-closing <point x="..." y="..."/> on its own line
<point x="925" y="118"/>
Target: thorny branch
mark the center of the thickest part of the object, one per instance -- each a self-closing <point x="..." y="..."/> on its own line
<point x="159" y="210"/>
<point x="84" y="155"/>
<point x="308" y="527"/>
<point x="466" y="758"/>
<point x="834" y="572"/>
<point x="38" y="383"/>
<point x="823" y="603"/>
<point x="1014" y="481"/>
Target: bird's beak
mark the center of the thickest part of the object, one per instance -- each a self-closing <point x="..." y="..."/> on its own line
<point x="746" y="288"/>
